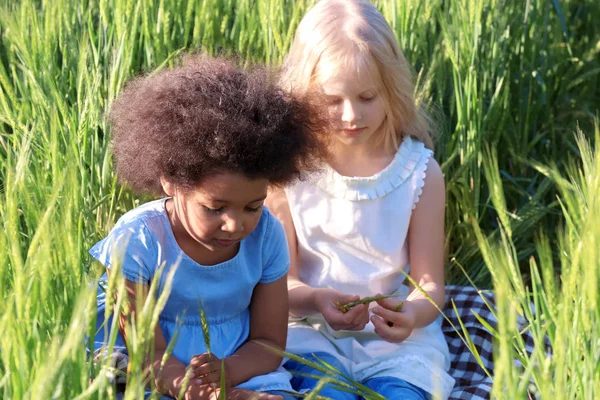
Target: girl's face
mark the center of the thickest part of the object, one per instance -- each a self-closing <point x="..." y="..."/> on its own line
<point x="355" y="106"/>
<point x="210" y="221"/>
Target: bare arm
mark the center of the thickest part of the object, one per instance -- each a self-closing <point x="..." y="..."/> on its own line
<point x="426" y="249"/>
<point x="268" y="326"/>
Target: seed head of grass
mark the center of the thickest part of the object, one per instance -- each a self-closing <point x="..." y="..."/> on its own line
<point x="365" y="300"/>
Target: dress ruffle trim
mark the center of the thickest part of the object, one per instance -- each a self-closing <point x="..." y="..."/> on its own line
<point x="356" y="188"/>
<point x="421" y="180"/>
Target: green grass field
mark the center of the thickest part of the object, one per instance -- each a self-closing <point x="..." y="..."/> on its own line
<point x="516" y="88"/>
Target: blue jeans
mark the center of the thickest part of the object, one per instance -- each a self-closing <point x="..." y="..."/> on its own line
<point x="389" y="387"/>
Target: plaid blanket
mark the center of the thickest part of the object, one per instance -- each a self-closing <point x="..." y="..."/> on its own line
<point x="472" y="382"/>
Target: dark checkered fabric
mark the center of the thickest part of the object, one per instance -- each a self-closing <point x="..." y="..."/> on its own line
<point x="472" y="381"/>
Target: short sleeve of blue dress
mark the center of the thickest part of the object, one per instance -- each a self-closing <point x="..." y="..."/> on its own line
<point x="219" y="294"/>
<point x="132" y="245"/>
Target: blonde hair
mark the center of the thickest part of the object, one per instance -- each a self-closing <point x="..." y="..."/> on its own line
<point x="354" y="33"/>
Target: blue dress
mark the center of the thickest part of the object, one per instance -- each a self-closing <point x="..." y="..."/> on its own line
<point x="143" y="240"/>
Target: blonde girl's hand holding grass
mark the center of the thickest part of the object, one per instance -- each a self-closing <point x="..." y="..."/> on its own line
<point x="354" y="319"/>
<point x="345" y="307"/>
<point x="394" y="320"/>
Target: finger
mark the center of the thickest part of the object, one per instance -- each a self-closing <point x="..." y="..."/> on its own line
<point x="198" y="359"/>
<point x="205" y="369"/>
<point x="342" y="300"/>
<point x="339" y="320"/>
<point x="386" y="314"/>
<point x="194" y="390"/>
<point x="348" y="298"/>
<point x="381" y="328"/>
<point x="397" y="318"/>
<point x="348" y="321"/>
<point x="362" y="317"/>
<point x="392" y="334"/>
<point x="365" y="319"/>
<point x="202" y="359"/>
<point x="355" y="313"/>
<point x="390" y="304"/>
<point x="213" y="377"/>
<point x="355" y="317"/>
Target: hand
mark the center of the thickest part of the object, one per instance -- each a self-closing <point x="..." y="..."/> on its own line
<point x="195" y="391"/>
<point x="393" y="326"/>
<point x="206" y="369"/>
<point x="243" y="394"/>
<point x="204" y="392"/>
<point x="354" y="320"/>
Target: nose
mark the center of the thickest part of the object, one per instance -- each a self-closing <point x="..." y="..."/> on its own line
<point x="350" y="112"/>
<point x="232" y="224"/>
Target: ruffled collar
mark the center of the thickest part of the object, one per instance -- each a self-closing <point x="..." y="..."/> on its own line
<point x="356" y="188"/>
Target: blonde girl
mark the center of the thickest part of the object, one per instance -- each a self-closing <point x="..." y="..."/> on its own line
<point x="374" y="216"/>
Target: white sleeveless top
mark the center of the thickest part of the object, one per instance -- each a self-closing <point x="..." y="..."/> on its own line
<point x="352" y="237"/>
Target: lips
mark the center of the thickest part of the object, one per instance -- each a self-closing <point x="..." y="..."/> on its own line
<point x="353" y="131"/>
<point x="226" y="243"/>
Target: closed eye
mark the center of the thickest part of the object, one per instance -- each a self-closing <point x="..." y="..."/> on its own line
<point x="368" y="98"/>
<point x="254" y="209"/>
<point x="214" y="210"/>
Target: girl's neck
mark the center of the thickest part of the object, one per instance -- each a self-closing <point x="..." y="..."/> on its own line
<point x="360" y="161"/>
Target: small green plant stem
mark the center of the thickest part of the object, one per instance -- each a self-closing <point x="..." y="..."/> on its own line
<point x="365" y="300"/>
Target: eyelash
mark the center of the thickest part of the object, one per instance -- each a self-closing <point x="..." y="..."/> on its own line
<point x="220" y="210"/>
<point x="214" y="210"/>
<point x="335" y="102"/>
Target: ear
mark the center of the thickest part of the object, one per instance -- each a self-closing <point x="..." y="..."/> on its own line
<point x="167" y="186"/>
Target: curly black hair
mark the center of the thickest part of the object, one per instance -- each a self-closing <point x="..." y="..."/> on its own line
<point x="207" y="117"/>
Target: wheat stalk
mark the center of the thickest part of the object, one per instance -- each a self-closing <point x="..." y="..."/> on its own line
<point x="365" y="300"/>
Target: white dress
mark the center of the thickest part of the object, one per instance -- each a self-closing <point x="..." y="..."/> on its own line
<point x="352" y="236"/>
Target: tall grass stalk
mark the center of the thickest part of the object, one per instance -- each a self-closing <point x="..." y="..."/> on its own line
<point x="562" y="314"/>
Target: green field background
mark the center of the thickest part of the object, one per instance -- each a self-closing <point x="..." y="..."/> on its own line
<point x="514" y="86"/>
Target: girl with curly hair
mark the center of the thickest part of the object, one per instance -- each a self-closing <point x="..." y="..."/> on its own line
<point x="209" y="139"/>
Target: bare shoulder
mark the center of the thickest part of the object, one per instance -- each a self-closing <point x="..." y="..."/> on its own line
<point x="434" y="178"/>
<point x="277" y="202"/>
